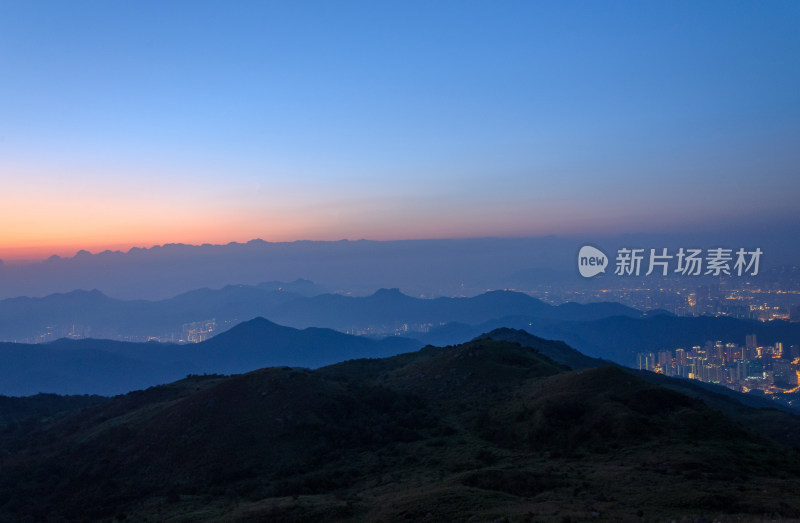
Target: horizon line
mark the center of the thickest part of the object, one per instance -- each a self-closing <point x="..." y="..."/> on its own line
<point x="127" y="248"/>
<point x="32" y="255"/>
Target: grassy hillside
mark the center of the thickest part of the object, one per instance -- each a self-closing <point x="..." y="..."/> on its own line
<point x="476" y="432"/>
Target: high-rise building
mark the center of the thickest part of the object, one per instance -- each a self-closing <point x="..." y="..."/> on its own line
<point x="742" y="370"/>
<point x="732" y="352"/>
<point x="718" y="354"/>
<point x="646" y="361"/>
<point x="750" y="347"/>
<point x="785" y="375"/>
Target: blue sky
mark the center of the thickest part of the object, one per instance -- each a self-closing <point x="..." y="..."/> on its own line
<point x="136" y="123"/>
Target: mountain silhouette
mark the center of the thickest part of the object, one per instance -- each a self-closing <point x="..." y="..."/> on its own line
<point x="480" y="431"/>
<point x="604" y="330"/>
<point x="260" y="342"/>
<point x="444" y="267"/>
<point x="110" y="367"/>
<point x="557" y="351"/>
<point x="620" y="338"/>
<point x="92" y="314"/>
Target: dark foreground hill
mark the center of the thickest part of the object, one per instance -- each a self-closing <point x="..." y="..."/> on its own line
<point x="477" y="432"/>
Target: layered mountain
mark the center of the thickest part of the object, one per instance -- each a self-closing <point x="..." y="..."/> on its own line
<point x="620" y="338"/>
<point x="108" y="367"/>
<point x="93" y="314"/>
<point x="443" y="266"/>
<point x="388" y="311"/>
<point x="604" y="330"/>
<point x="489" y="430"/>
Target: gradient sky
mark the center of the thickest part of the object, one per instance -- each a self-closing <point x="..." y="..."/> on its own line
<point x="139" y="123"/>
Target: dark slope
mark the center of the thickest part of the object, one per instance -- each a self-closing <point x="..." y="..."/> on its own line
<point x="762" y="416"/>
<point x="480" y="431"/>
<point x="264" y="433"/>
<point x="555" y="350"/>
<point x="41" y="407"/>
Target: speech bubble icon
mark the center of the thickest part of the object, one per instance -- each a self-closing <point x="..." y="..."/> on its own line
<point x="591" y="261"/>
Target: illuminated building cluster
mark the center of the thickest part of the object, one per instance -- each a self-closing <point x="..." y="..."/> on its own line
<point x="772" y="369"/>
<point x="198" y="331"/>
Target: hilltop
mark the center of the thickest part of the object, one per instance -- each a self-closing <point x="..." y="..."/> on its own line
<point x="479" y="431"/>
<point x="111" y="367"/>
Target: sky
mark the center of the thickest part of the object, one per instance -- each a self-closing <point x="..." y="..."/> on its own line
<point x="139" y="123"/>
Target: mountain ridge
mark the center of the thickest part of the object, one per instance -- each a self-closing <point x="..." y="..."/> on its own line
<point x="94" y="314"/>
<point x="484" y="430"/>
<point x="113" y="367"/>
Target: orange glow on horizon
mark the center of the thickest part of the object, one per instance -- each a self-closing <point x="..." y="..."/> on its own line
<point x="54" y="211"/>
<point x="26" y="254"/>
<point x="96" y="228"/>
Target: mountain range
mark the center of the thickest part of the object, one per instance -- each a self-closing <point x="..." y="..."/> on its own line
<point x="620" y="338"/>
<point x="488" y="430"/>
<point x="108" y="367"/>
<point x="444" y="267"/>
<point x="605" y="330"/>
<point x="93" y="314"/>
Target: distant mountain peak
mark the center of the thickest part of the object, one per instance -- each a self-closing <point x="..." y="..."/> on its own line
<point x="79" y="293"/>
<point x="259" y="322"/>
<point x="394" y="291"/>
<point x="256" y="328"/>
<point x="503" y="291"/>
